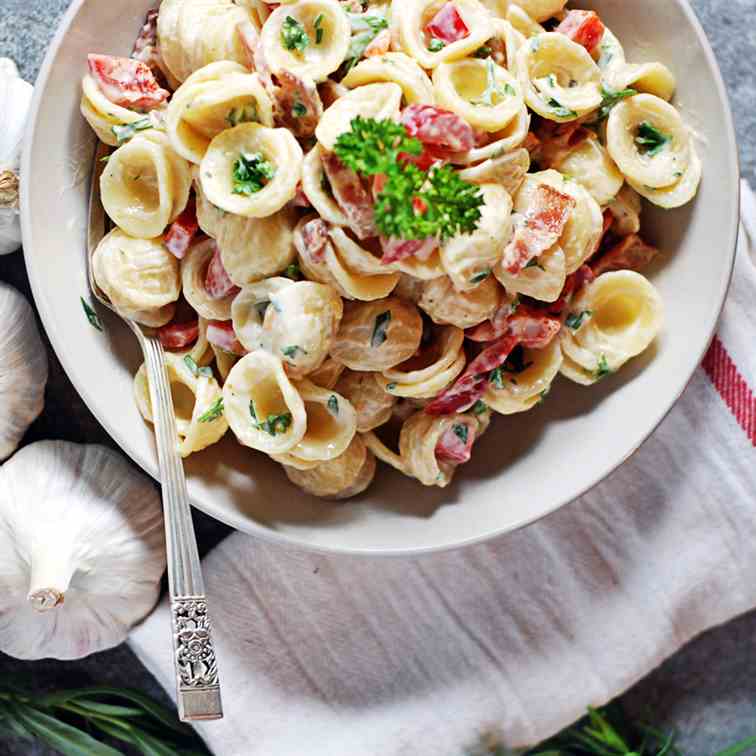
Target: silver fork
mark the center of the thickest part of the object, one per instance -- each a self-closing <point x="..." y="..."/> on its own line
<point x="197" y="685"/>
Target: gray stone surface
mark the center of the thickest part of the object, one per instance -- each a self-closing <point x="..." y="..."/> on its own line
<point x="707" y="690"/>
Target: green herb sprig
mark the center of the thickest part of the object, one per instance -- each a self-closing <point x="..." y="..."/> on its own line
<point x="251" y="172"/>
<point x="293" y="35"/>
<point x="611" y="98"/>
<point x="650" y="140"/>
<point x="126" y="131"/>
<point x="365" y="28"/>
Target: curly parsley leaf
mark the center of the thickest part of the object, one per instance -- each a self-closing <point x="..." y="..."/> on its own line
<point x="371" y="147"/>
<point x="214" y="411"/>
<point x="293" y="35"/>
<point x="251" y="172"/>
<point x="650" y="140"/>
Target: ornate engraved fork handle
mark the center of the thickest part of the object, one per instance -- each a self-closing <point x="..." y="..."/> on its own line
<point x="197" y="685"/>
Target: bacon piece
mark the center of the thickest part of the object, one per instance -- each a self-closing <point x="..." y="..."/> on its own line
<point x="455" y="444"/>
<point x="127" y="82"/>
<point x="182" y="231"/>
<point x="330" y="91"/>
<point x="179" y="335"/>
<point x="395" y="249"/>
<point x="380" y="44"/>
<point x="583" y="27"/>
<point x="630" y="253"/>
<point x="218" y="284"/>
<point x="558" y="140"/>
<point x="540" y="229"/>
<point x="298" y="106"/>
<point x="530" y="322"/>
<point x="438" y="128"/>
<point x="313" y="240"/>
<point x="220" y="333"/>
<point x="351" y="195"/>
<point x="147" y="49"/>
<point x="300" y="198"/>
<point x="447" y="25"/>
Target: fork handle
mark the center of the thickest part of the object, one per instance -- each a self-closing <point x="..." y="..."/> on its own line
<point x="197" y="686"/>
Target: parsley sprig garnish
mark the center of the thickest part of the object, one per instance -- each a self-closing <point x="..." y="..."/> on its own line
<point x="293" y="35"/>
<point x="251" y="172"/>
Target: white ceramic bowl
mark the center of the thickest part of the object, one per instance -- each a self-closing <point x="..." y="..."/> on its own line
<point x="527" y="465"/>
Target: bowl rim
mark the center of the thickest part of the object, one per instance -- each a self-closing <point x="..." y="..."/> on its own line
<point x="284" y="539"/>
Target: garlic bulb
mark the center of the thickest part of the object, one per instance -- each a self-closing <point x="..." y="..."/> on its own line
<point x="81" y="550"/>
<point x="15" y="98"/>
<point x="23" y="369"/>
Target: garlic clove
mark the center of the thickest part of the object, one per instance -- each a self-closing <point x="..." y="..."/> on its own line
<point x="23" y="369"/>
<point x="82" y="550"/>
<point x="15" y="99"/>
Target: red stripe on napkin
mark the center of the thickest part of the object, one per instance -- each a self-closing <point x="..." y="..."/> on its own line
<point x="732" y="387"/>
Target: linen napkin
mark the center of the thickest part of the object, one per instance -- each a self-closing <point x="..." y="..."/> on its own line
<point x="332" y="656"/>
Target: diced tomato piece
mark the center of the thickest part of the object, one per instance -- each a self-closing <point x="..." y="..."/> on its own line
<point x="583" y="27"/>
<point x="218" y="284"/>
<point x="182" y="231"/>
<point x="351" y="195"/>
<point x="447" y="25"/>
<point x="419" y="205"/>
<point x="220" y="333"/>
<point x="541" y="228"/>
<point x="439" y="128"/>
<point x="455" y="444"/>
<point x="630" y="253"/>
<point x="127" y="82"/>
<point x="179" y="335"/>
<point x="395" y="250"/>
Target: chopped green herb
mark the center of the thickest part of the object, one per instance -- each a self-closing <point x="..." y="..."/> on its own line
<point x="293" y="272"/>
<point x="379" y="329"/>
<point x="299" y="109"/>
<point x="390" y="386"/>
<point x="196" y="369"/>
<point x="105" y="158"/>
<point x="650" y="140"/>
<point x="461" y="432"/>
<point x="480" y="277"/>
<point x="319" y="31"/>
<point x="94" y="321"/>
<point x="242" y="114"/>
<point x="603" y="368"/>
<point x="333" y="404"/>
<point x="678" y="174"/>
<point x="291" y="351"/>
<point x="482" y="52"/>
<point x="125" y="132"/>
<point x="274" y="424"/>
<point x="611" y="98"/>
<point x="479" y="408"/>
<point x="493" y="88"/>
<point x="515" y="303"/>
<point x="293" y="35"/>
<point x="436" y="44"/>
<point x="543" y="395"/>
<point x="496" y="378"/>
<point x="251" y="172"/>
<point x="559" y="110"/>
<point x="534" y="264"/>
<point x="214" y="412"/>
<point x="574" y="321"/>
<point x="366" y="26"/>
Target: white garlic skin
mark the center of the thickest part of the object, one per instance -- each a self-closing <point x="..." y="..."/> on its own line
<point x="15" y="99"/>
<point x="23" y="369"/>
<point x="82" y="550"/>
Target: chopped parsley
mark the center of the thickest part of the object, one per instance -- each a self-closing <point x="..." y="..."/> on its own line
<point x="242" y="114"/>
<point x="126" y="131"/>
<point x="496" y="378"/>
<point x="379" y="329"/>
<point x="196" y="369"/>
<point x="390" y="387"/>
<point x="319" y="31"/>
<point x="461" y="432"/>
<point x="493" y="88"/>
<point x="291" y="351"/>
<point x="92" y="317"/>
<point x="559" y="110"/>
<point x="251" y="172"/>
<point x="436" y="44"/>
<point x="299" y="109"/>
<point x="574" y="321"/>
<point x="611" y="98"/>
<point x="293" y="35"/>
<point x="480" y="277"/>
<point x="367" y="27"/>
<point x="293" y="272"/>
<point x="482" y="52"/>
<point x="333" y="404"/>
<point x="650" y="140"/>
<point x="214" y="411"/>
<point x="479" y="408"/>
<point x="603" y="368"/>
<point x="274" y="424"/>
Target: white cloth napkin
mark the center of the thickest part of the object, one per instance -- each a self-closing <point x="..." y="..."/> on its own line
<point x="326" y="656"/>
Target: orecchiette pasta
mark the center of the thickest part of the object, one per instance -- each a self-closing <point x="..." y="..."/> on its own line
<point x="145" y="185"/>
<point x="211" y="100"/>
<point x="397" y="68"/>
<point x="194" y="399"/>
<point x="310" y="38"/>
<point x="271" y="157"/>
<point x="615" y="318"/>
<point x="139" y="276"/>
<point x="377" y="289"/>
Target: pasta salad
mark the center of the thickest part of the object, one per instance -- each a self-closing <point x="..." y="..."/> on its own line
<point x="361" y="228"/>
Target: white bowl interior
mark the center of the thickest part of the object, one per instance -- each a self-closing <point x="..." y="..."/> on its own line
<point x="527" y="465"/>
